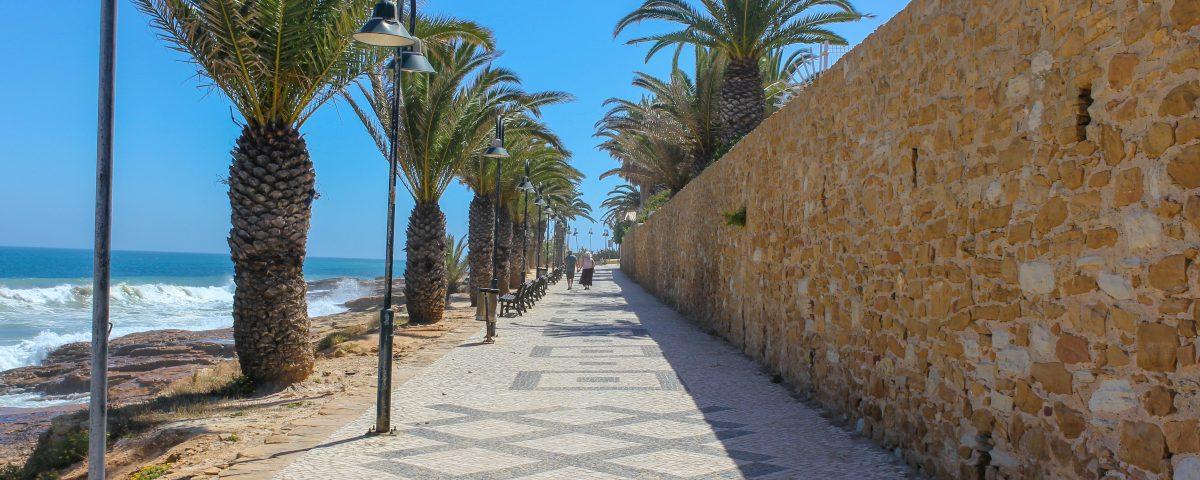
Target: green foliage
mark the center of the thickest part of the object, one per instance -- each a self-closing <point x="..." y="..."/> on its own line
<point x="725" y="148"/>
<point x="457" y="265"/>
<point x="276" y="60"/>
<point x="65" y="444"/>
<point x="619" y="230"/>
<point x="340" y="336"/>
<point x="233" y="438"/>
<point x="736" y="219"/>
<point x="12" y="472"/>
<point x="151" y="472"/>
<point x="654" y="203"/>
<point x="742" y="29"/>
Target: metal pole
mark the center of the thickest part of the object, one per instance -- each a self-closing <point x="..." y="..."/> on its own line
<point x="98" y="403"/>
<point x="495" y="285"/>
<point x="383" y="393"/>
<point x="539" y="243"/>
<point x="525" y="229"/>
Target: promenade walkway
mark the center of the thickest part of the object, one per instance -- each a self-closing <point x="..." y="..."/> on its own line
<point x="600" y="384"/>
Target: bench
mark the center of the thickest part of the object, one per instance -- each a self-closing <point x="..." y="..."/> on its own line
<point x="513" y="301"/>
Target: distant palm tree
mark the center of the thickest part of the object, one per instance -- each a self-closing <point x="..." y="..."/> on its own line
<point x="456" y="265"/>
<point x="447" y="120"/>
<point x="277" y="61"/>
<point x="523" y="132"/>
<point x="621" y="200"/>
<point x="744" y="31"/>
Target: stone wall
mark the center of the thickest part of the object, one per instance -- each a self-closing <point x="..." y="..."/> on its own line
<point x="976" y="236"/>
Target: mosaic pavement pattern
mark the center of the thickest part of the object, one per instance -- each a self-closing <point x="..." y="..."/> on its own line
<point x="600" y="384"/>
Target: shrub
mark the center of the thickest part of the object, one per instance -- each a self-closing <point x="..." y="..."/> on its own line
<point x="151" y="472"/>
<point x="736" y="219"/>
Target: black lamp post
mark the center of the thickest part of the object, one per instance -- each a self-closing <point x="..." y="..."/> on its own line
<point x="589" y="239"/>
<point x="98" y="403"/>
<point x="384" y="29"/>
<point x="496" y="151"/>
<point x="541" y="203"/>
<point x="526" y="187"/>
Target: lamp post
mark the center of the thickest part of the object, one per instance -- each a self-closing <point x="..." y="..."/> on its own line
<point x="384" y="29"/>
<point x="606" y="244"/>
<point x="549" y="248"/>
<point x="496" y="151"/>
<point x="98" y="402"/>
<point x="589" y="239"/>
<point x="526" y="187"/>
<point x="541" y="203"/>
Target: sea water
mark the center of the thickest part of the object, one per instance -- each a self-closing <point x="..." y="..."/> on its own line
<point x="45" y="295"/>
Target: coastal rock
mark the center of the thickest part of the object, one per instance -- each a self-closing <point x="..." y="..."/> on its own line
<point x="139" y="364"/>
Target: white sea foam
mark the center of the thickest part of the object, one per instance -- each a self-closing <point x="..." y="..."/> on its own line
<point x="333" y="301"/>
<point x="32" y="351"/>
<point x="62" y="314"/>
<point x="36" y="400"/>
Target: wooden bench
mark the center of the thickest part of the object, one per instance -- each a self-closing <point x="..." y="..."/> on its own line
<point x="513" y="301"/>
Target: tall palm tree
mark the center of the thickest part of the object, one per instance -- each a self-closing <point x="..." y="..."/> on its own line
<point x="277" y="61"/>
<point x="744" y="31"/>
<point x="446" y="121"/>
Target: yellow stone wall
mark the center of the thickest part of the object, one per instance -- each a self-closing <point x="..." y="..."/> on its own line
<point x="937" y="249"/>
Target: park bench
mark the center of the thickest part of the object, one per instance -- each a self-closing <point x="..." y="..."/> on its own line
<point x="513" y="301"/>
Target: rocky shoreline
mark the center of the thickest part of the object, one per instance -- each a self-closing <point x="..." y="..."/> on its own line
<point x="140" y="366"/>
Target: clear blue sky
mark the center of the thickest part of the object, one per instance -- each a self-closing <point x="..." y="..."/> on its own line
<point x="173" y="138"/>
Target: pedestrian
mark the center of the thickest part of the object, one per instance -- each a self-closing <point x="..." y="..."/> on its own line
<point x="589" y="268"/>
<point x="570" y="267"/>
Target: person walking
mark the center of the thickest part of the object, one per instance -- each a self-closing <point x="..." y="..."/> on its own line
<point x="589" y="268"/>
<point x="570" y="268"/>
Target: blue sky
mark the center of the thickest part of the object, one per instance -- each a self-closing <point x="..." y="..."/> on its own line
<point x="173" y="138"/>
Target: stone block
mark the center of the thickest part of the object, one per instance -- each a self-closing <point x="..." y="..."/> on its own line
<point x="1142" y="444"/>
<point x="1157" y="346"/>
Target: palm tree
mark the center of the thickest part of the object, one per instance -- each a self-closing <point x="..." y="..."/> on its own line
<point x="621" y="200"/>
<point x="277" y="61"/>
<point x="442" y="120"/>
<point x="744" y="31"/>
<point x="456" y="265"/>
<point x="650" y="144"/>
<point x="479" y="174"/>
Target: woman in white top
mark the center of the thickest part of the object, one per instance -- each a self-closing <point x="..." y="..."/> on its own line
<point x="588" y="265"/>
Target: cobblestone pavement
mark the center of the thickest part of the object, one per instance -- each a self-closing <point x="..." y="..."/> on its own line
<point x="600" y="384"/>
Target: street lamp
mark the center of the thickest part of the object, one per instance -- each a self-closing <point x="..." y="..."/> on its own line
<point x="589" y="239"/>
<point x="527" y="188"/>
<point x="384" y="29"/>
<point x="98" y="402"/>
<point x="496" y="151"/>
<point x="541" y="204"/>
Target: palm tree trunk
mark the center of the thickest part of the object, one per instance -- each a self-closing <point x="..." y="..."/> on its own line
<point x="504" y="249"/>
<point x="560" y="240"/>
<point x="425" y="267"/>
<point x="514" y="267"/>
<point x="479" y="241"/>
<point x="271" y="189"/>
<point x="743" y="103"/>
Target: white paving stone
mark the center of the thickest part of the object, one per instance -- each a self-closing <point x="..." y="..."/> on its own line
<point x="599" y="384"/>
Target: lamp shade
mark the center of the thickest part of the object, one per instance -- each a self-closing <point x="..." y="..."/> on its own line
<point x="526" y="186"/>
<point x="496" y="150"/>
<point x="413" y="60"/>
<point x="384" y="29"/>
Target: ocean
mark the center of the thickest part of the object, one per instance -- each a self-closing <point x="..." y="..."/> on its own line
<point x="45" y="295"/>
